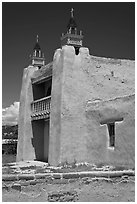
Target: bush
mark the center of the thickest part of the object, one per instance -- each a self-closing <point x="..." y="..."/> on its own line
<point x="8" y="158"/>
<point x="10" y="148"/>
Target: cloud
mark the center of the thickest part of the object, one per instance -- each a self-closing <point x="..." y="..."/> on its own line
<point x="10" y="114"/>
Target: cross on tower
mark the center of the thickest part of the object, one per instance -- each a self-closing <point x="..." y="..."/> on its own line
<point x="37" y="38"/>
<point x="72" y="14"/>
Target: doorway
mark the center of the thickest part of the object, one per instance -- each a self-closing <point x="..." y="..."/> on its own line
<point x="40" y="140"/>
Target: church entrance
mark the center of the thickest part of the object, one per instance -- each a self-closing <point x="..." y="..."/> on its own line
<point x="40" y="140"/>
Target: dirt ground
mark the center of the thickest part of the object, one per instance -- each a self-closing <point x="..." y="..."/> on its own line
<point x="75" y="190"/>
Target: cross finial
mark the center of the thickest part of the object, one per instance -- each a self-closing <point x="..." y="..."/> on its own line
<point x="37" y="38"/>
<point x="72" y="12"/>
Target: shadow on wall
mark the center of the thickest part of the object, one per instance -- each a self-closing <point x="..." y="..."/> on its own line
<point x="38" y="139"/>
<point x="114" y="142"/>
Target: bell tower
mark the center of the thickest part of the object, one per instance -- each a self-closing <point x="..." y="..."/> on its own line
<point x="72" y="37"/>
<point x="37" y="58"/>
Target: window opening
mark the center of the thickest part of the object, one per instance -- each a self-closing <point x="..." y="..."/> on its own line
<point x="76" y="50"/>
<point x="111" y="130"/>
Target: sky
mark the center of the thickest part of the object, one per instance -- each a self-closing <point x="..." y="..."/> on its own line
<point x="108" y="29"/>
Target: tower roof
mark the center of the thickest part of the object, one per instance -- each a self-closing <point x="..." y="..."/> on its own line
<point x="37" y="58"/>
<point x="72" y="37"/>
<point x="72" y="23"/>
<point x="37" y="46"/>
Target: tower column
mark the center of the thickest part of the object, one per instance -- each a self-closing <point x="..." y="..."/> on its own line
<point x="72" y="37"/>
<point x="25" y="149"/>
<point x="37" y="58"/>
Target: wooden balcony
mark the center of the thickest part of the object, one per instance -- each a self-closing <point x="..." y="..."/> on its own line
<point x="40" y="109"/>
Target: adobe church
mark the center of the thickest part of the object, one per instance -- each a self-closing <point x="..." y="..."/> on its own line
<point x="77" y="108"/>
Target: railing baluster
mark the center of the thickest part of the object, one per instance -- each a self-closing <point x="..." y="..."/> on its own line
<point x="38" y="108"/>
<point x="42" y="106"/>
<point x="48" y="105"/>
<point x="34" y="107"/>
<point x="36" y="104"/>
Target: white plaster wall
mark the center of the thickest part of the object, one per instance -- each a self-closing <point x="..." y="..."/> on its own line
<point x="25" y="149"/>
<point x="77" y="80"/>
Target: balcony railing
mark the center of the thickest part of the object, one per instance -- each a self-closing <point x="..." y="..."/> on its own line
<point x="40" y="109"/>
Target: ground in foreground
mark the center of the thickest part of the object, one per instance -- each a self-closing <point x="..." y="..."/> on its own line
<point x="74" y="190"/>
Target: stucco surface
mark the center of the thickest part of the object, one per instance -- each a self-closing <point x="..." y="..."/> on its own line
<point x="97" y="144"/>
<point x="82" y="79"/>
<point x="87" y="91"/>
<point x="55" y="112"/>
<point x="33" y="136"/>
<point x="25" y="149"/>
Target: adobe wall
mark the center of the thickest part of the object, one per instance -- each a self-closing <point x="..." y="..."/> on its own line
<point x="25" y="149"/>
<point x="55" y="110"/>
<point x="33" y="136"/>
<point x="97" y="136"/>
<point x="77" y="81"/>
